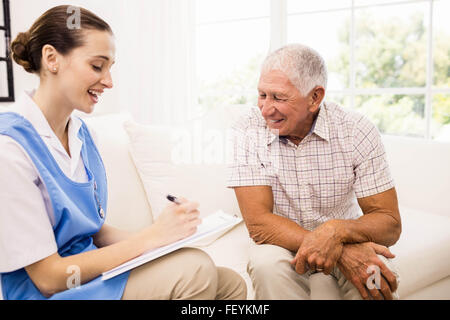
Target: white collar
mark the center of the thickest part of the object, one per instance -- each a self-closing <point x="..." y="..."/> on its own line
<point x="26" y="107"/>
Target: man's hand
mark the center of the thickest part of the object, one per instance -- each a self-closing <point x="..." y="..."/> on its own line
<point x="319" y="251"/>
<point x="354" y="263"/>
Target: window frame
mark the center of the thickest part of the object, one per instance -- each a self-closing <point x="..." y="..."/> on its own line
<point x="7" y="58"/>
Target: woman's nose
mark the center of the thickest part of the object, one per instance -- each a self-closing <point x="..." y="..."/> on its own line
<point x="107" y="80"/>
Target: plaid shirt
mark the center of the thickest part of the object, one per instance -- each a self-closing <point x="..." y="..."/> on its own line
<point x="341" y="159"/>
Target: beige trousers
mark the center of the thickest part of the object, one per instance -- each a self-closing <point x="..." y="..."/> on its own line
<point x="184" y="274"/>
<point x="274" y="278"/>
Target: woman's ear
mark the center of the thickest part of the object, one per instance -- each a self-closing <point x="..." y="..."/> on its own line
<point x="317" y="95"/>
<point x="50" y="59"/>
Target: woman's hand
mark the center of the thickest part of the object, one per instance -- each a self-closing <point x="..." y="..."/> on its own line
<point x="176" y="222"/>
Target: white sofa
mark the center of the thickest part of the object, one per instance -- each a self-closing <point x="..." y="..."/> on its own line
<point x="421" y="170"/>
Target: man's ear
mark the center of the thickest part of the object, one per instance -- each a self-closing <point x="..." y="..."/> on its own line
<point x="50" y="59"/>
<point x="316" y="97"/>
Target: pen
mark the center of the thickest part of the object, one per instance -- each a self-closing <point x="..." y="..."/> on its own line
<point x="173" y="199"/>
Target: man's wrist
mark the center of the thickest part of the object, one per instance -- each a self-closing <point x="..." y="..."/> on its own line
<point x="340" y="229"/>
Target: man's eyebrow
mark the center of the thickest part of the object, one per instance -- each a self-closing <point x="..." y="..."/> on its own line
<point x="277" y="92"/>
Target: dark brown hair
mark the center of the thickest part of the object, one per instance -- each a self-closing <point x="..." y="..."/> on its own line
<point x="52" y="28"/>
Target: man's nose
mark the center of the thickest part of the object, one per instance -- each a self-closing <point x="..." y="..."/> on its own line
<point x="267" y="107"/>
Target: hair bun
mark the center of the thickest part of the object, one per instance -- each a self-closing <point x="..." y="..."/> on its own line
<point x="20" y="54"/>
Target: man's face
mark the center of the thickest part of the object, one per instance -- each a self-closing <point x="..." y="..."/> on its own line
<point x="283" y="107"/>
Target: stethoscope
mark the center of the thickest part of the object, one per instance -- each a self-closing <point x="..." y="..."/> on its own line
<point x="101" y="212"/>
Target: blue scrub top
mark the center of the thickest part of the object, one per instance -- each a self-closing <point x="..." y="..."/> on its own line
<point x="79" y="210"/>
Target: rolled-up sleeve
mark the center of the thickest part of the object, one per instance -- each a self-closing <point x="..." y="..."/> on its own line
<point x="26" y="233"/>
<point x="372" y="174"/>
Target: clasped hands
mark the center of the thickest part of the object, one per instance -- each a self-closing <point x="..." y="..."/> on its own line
<point x="323" y="249"/>
<point x="319" y="251"/>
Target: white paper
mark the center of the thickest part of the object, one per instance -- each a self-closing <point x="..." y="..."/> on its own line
<point x="210" y="225"/>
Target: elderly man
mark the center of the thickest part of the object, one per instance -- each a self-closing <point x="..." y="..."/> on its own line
<point x="314" y="189"/>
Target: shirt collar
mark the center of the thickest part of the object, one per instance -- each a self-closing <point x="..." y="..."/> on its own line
<point x="27" y="108"/>
<point x="320" y="127"/>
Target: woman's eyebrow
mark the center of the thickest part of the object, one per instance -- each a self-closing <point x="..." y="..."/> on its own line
<point x="103" y="57"/>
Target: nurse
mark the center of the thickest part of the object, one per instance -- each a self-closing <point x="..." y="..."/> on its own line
<point x="54" y="243"/>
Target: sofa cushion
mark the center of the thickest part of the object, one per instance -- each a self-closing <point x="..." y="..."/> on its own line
<point x="423" y="251"/>
<point x="128" y="207"/>
<point x="159" y="160"/>
<point x="440" y="290"/>
<point x="421" y="172"/>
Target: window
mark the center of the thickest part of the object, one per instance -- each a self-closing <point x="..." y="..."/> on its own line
<point x="386" y="59"/>
<point x="6" y="75"/>
<point x="232" y="41"/>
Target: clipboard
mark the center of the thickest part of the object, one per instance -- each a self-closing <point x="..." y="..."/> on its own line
<point x="211" y="224"/>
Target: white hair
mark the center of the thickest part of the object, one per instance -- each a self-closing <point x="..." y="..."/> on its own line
<point x="304" y="67"/>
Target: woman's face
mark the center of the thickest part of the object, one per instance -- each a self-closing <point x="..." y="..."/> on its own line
<point x="85" y="72"/>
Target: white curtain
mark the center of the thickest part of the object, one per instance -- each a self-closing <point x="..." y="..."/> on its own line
<point x="155" y="73"/>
